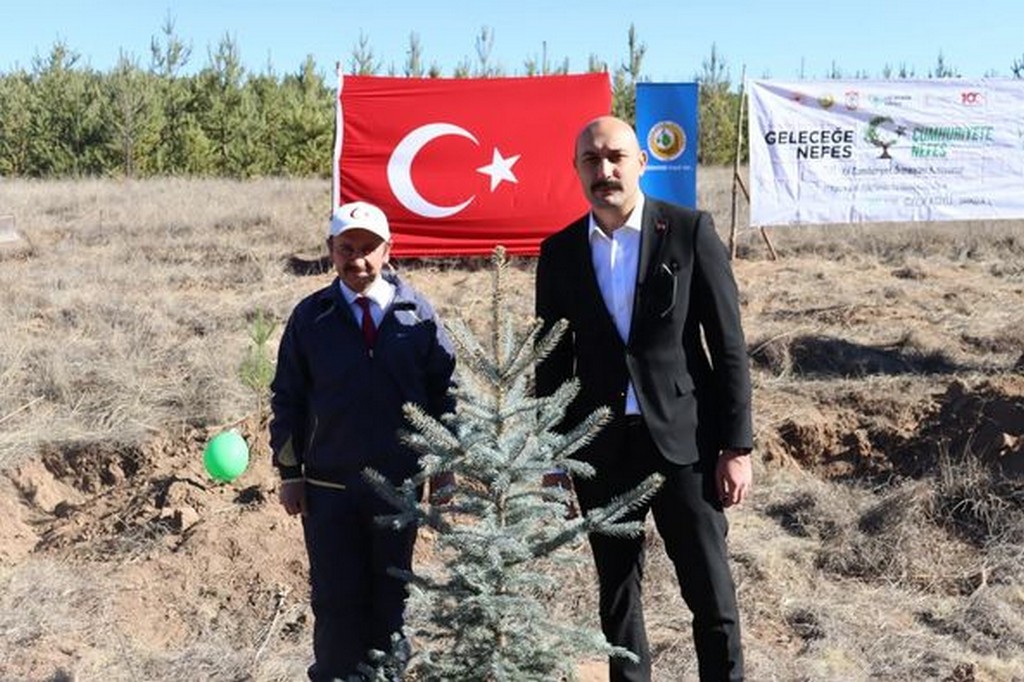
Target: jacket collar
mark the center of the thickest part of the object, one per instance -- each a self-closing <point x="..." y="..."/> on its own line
<point x="332" y="297"/>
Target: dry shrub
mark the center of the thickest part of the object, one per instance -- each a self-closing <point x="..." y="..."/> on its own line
<point x="990" y="622"/>
<point x="51" y="613"/>
<point x="923" y="534"/>
<point x="915" y="272"/>
<point x="812" y="514"/>
<point x="773" y="355"/>
<point x="59" y="619"/>
<point x="829" y="626"/>
<point x="891" y="540"/>
<point x="131" y="312"/>
<point x="889" y="536"/>
<point x="985" y="508"/>
<point x="1007" y="339"/>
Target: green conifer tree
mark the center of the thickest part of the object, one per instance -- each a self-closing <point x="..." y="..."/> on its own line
<point x="480" y="612"/>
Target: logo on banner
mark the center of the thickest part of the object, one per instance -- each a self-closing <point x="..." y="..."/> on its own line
<point x="971" y="98"/>
<point x="883" y="133"/>
<point x="666" y="140"/>
<point x="826" y="101"/>
<point x="890" y="100"/>
<point x="852" y="100"/>
<point x="400" y="167"/>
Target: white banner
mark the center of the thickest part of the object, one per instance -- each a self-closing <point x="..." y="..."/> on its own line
<point x="897" y="150"/>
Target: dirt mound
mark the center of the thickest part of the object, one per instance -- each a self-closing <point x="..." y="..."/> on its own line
<point x="185" y="559"/>
<point x="176" y="568"/>
<point x="858" y="434"/>
<point x="17" y="537"/>
<point x="986" y="420"/>
<point x="100" y="500"/>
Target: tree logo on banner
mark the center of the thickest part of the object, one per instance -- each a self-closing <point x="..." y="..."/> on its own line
<point x="881" y="137"/>
<point x="666" y="140"/>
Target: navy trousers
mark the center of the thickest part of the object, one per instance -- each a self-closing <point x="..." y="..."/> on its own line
<point x="357" y="605"/>
<point x="690" y="521"/>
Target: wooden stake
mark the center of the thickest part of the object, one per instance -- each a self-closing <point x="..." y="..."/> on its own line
<point x="736" y="166"/>
<point x="771" y="249"/>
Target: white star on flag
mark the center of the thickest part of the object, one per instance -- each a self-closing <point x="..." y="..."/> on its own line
<point x="500" y="169"/>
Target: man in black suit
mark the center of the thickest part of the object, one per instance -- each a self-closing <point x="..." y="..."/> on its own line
<point x="654" y="333"/>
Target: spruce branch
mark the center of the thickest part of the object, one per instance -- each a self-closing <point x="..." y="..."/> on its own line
<point x="547" y="343"/>
<point x="428" y="431"/>
<point x="579" y="436"/>
<point x="522" y="355"/>
<point x="606" y="519"/>
<point x="471" y="354"/>
<point x="551" y="409"/>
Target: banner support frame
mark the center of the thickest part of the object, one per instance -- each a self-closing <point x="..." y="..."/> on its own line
<point x="737" y="181"/>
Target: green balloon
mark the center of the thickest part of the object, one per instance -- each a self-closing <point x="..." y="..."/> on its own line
<point x="226" y="456"/>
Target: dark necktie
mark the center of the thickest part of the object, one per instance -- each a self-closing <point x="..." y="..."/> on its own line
<point x="369" y="328"/>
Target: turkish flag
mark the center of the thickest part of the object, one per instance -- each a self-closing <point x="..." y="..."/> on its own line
<point x="460" y="165"/>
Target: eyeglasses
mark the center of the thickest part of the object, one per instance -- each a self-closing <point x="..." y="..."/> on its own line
<point x="348" y="252"/>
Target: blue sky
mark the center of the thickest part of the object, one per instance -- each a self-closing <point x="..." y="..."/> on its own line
<point x="778" y="39"/>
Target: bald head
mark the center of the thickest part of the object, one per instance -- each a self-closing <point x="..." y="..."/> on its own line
<point x="607" y="126"/>
<point x="609" y="163"/>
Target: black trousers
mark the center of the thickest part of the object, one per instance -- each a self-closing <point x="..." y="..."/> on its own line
<point x="689" y="518"/>
<point x="357" y="605"/>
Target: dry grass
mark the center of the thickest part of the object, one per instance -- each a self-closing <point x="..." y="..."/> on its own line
<point x="132" y="312"/>
<point x="883" y="540"/>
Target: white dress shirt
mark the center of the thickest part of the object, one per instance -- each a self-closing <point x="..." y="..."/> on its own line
<point x="616" y="259"/>
<point x="380" y="293"/>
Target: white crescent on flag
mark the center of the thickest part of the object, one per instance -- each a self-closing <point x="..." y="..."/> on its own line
<point x="400" y="166"/>
<point x="400" y="169"/>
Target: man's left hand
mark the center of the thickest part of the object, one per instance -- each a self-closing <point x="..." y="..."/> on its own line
<point x="734" y="476"/>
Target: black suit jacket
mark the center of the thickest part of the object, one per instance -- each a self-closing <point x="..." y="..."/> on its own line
<point x="695" y="397"/>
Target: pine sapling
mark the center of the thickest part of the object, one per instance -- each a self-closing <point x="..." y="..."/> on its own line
<point x="481" y="609"/>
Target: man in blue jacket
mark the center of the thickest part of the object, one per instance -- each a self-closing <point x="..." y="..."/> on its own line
<point x="351" y="356"/>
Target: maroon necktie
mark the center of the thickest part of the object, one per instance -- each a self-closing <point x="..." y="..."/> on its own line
<point x="369" y="328"/>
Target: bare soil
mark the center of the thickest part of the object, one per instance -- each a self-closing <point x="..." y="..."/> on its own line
<point x="883" y="540"/>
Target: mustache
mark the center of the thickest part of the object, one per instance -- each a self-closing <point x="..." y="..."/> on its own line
<point x="599" y="185"/>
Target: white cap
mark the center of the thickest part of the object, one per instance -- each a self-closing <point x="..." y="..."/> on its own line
<point x="359" y="215"/>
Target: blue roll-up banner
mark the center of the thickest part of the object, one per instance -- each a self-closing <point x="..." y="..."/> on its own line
<point x="666" y="124"/>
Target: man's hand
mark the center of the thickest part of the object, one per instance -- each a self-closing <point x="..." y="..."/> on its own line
<point x="560" y="479"/>
<point x="734" y="476"/>
<point x="442" y="488"/>
<point x="292" y="496"/>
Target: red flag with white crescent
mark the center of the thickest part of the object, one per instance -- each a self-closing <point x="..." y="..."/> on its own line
<point x="460" y="165"/>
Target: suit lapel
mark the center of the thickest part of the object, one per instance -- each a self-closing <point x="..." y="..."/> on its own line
<point x="654" y="230"/>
